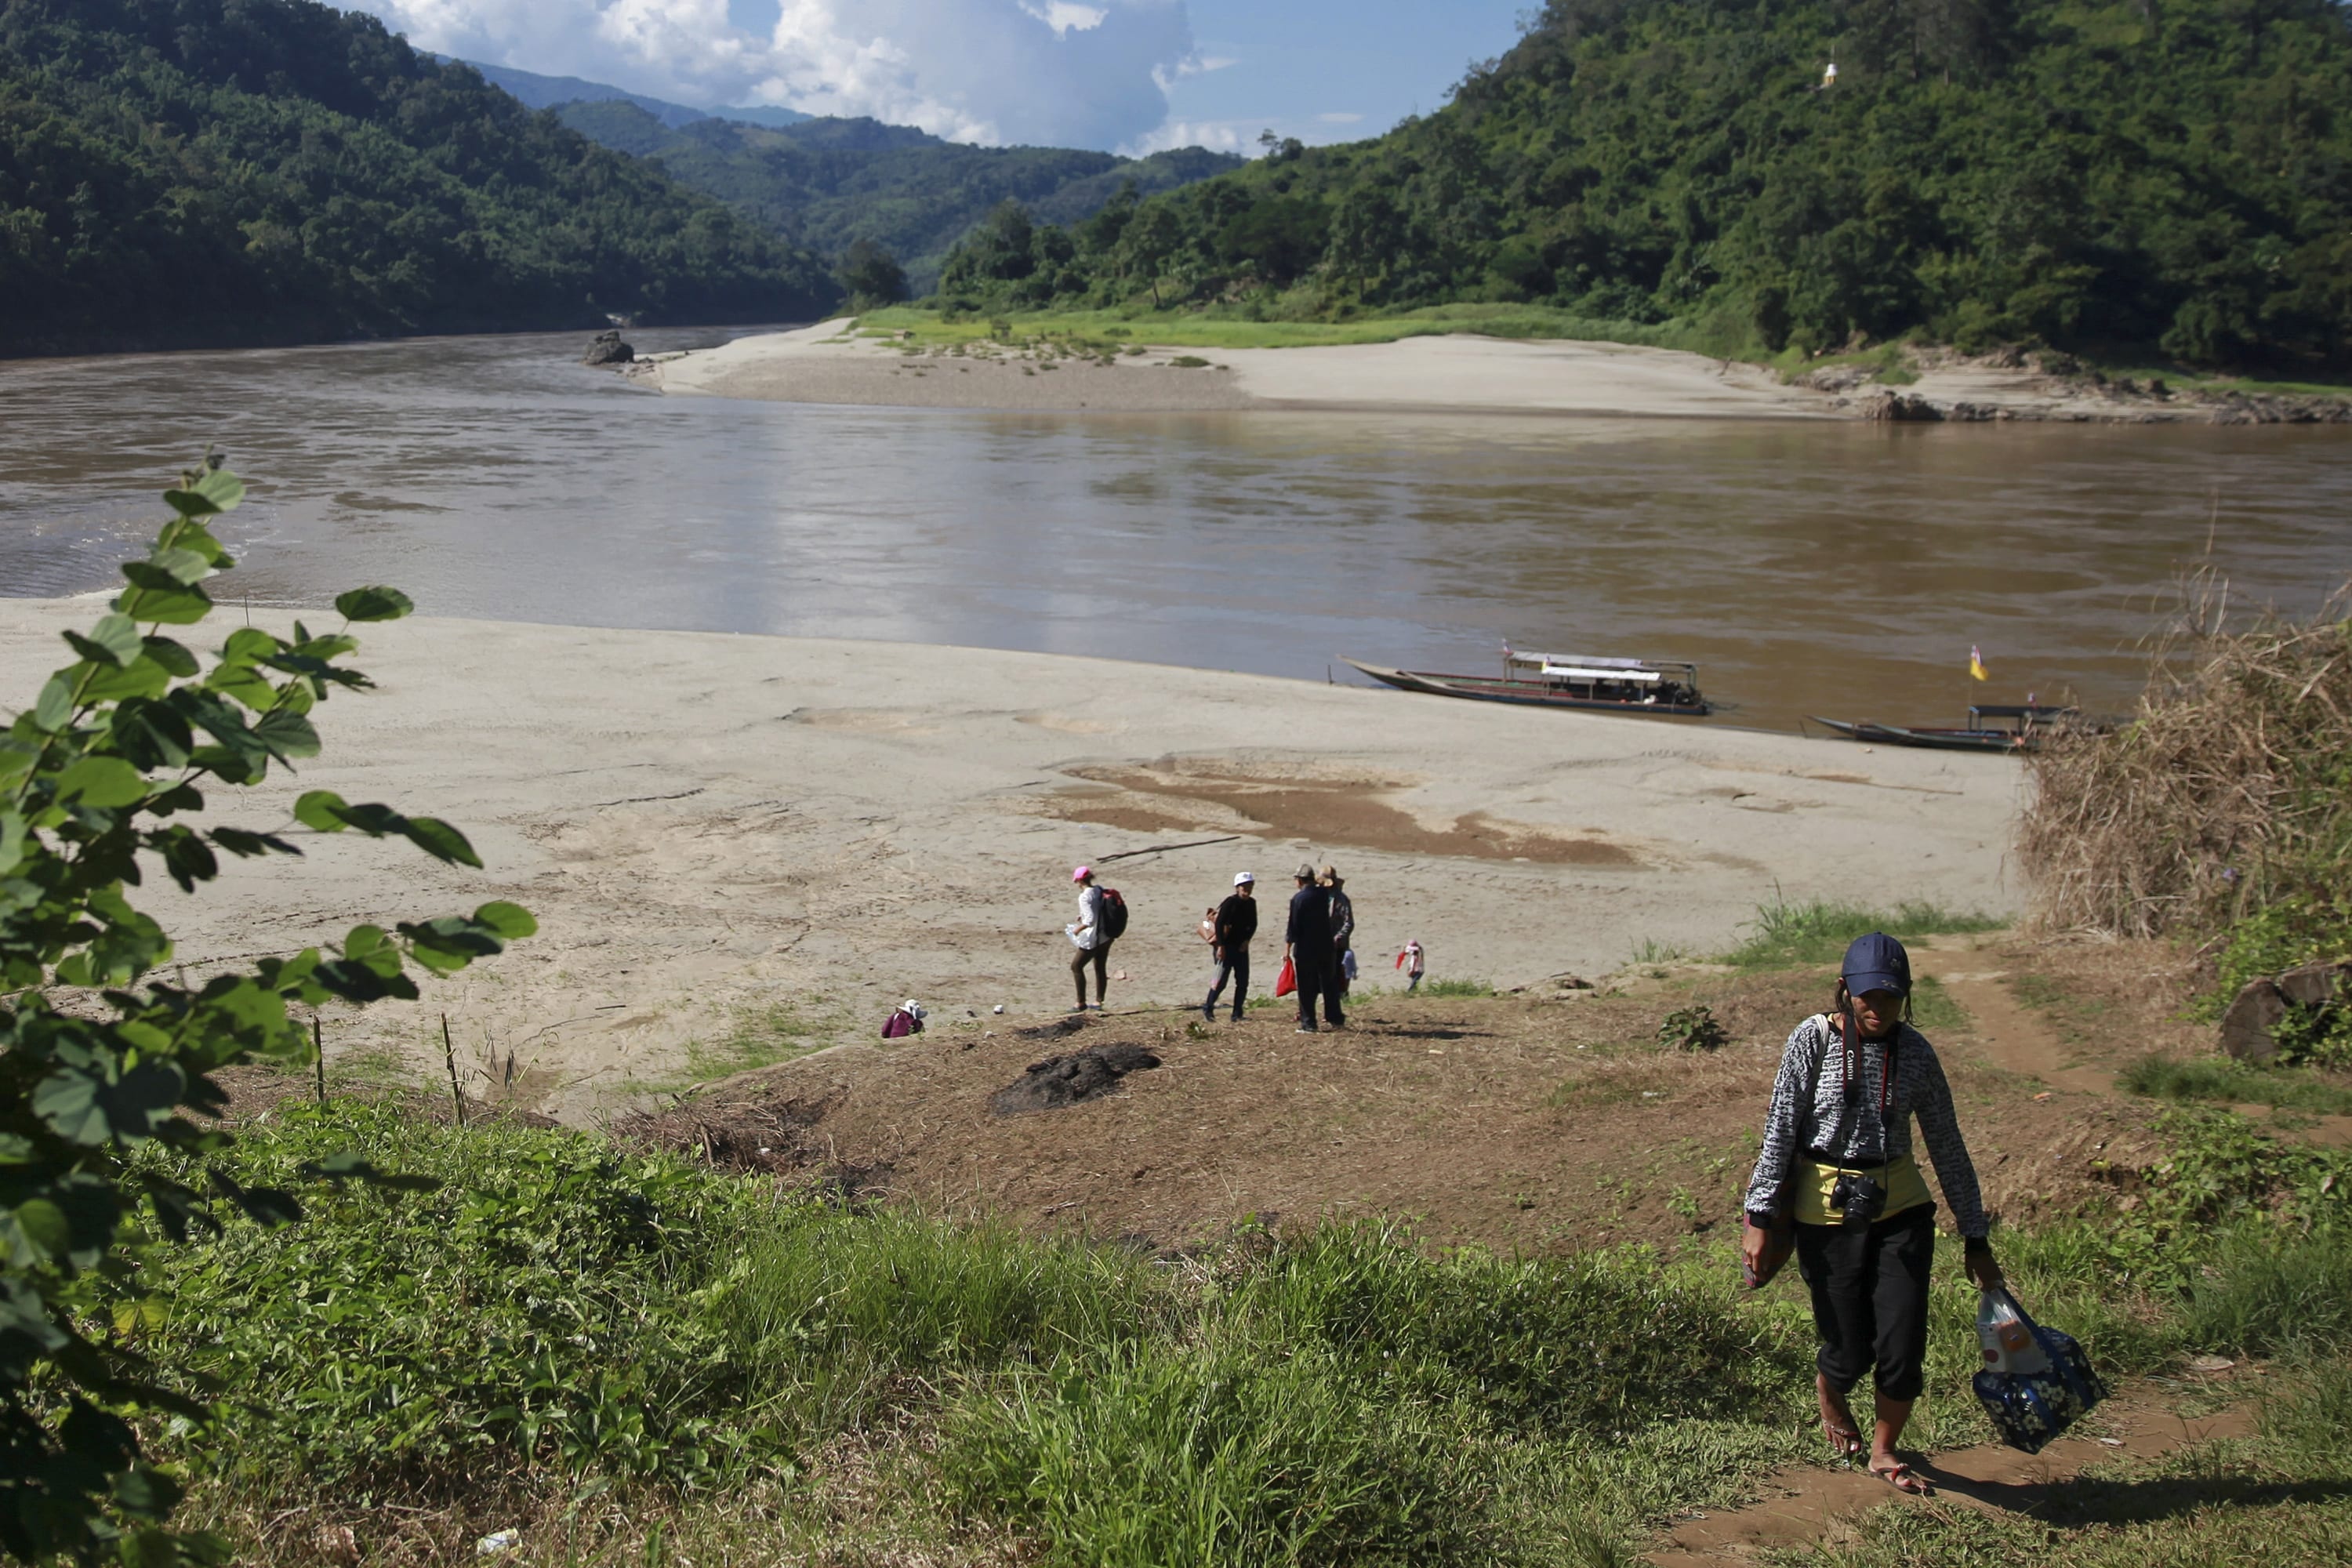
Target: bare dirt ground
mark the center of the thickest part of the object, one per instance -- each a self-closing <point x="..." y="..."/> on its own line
<point x="1547" y="1120"/>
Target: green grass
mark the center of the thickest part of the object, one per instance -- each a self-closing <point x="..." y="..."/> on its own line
<point x="1429" y="987"/>
<point x="714" y="1360"/>
<point x="761" y="1036"/>
<point x="1096" y="332"/>
<point x="1818" y="931"/>
<point x="1932" y="1007"/>
<point x="2231" y="1082"/>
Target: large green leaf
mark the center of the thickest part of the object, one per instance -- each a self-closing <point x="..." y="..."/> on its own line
<point x="322" y="810"/>
<point x="373" y="604"/>
<point x="156" y="594"/>
<point x="511" y="921"/>
<point x="440" y="840"/>
<point x="102" y="781"/>
<point x="113" y="640"/>
<point x="221" y="488"/>
<point x="287" y="735"/>
<point x="55" y="709"/>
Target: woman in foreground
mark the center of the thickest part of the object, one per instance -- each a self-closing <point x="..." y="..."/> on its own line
<point x="1837" y="1163"/>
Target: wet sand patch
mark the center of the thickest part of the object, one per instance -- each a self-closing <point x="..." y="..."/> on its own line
<point x="1327" y="810"/>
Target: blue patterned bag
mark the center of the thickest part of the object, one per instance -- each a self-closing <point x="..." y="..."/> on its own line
<point x="2028" y="1409"/>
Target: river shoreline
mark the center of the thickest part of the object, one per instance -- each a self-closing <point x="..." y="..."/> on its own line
<point x="738" y="845"/>
<point x="827" y="363"/>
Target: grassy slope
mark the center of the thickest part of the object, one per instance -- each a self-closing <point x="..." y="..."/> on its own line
<point x="730" y="1371"/>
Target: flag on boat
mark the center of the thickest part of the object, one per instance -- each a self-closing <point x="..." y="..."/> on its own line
<point x="1976" y="663"/>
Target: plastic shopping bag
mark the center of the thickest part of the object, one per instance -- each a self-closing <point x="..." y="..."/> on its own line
<point x="1287" y="981"/>
<point x="2035" y="1387"/>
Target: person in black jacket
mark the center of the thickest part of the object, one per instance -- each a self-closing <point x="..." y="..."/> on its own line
<point x="1236" y="923"/>
<point x="1315" y="963"/>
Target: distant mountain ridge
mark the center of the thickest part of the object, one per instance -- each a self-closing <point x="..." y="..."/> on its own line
<point x="539" y="91"/>
<point x="829" y="182"/>
<point x="216" y="173"/>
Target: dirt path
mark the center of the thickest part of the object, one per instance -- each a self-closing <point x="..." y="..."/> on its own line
<point x="1801" y="1502"/>
<point x="2020" y="1039"/>
<point x="2011" y="1033"/>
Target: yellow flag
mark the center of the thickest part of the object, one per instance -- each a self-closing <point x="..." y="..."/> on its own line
<point x="1976" y="663"/>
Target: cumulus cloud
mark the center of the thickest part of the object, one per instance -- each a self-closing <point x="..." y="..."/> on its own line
<point x="1052" y="72"/>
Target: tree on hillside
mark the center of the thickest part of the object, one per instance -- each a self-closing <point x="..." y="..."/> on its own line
<point x="871" y="276"/>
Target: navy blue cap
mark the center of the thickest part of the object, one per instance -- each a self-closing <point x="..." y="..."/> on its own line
<point x="1876" y="963"/>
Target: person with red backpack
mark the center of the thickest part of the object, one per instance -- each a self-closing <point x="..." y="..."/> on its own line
<point x="1102" y="920"/>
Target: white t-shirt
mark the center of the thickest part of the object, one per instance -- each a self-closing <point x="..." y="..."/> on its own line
<point x="1086" y="933"/>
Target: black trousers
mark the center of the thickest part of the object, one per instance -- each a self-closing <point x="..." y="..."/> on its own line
<point x="1233" y="966"/>
<point x="1099" y="956"/>
<point x="1870" y="1298"/>
<point x="1320" y="979"/>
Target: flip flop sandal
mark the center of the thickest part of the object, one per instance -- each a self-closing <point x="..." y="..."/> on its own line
<point x="1847" y="1441"/>
<point x="1902" y="1478"/>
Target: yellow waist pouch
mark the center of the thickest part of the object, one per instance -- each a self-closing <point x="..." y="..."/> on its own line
<point x="1906" y="1188"/>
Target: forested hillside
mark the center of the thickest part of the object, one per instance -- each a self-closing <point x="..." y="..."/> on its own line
<point x="831" y="183"/>
<point x="182" y="173"/>
<point x="2172" y="175"/>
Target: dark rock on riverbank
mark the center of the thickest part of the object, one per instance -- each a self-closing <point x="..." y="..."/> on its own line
<point x="608" y="349"/>
<point x="2249" y="1027"/>
<point x="1068" y="1080"/>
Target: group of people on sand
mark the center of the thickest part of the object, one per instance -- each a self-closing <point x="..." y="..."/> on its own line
<point x="1318" y="943"/>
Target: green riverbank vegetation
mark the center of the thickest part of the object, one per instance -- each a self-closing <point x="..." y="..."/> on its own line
<point x="2144" y="181"/>
<point x="193" y="172"/>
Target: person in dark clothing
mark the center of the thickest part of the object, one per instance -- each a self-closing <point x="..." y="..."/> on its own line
<point x="1236" y="923"/>
<point x="1343" y="930"/>
<point x="1315" y="963"/>
<point x="1837" y="1165"/>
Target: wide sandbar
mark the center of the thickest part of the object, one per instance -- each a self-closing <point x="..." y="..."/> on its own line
<point x="722" y="834"/>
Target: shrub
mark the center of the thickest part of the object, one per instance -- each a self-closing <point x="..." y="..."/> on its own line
<point x="2226" y="795"/>
<point x="105" y="1070"/>
<point x="1693" y="1028"/>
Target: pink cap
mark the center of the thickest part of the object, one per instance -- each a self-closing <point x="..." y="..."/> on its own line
<point x="1082" y="873"/>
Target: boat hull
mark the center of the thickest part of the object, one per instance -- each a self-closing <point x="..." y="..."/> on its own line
<point x="1521" y="693"/>
<point x="1933" y="739"/>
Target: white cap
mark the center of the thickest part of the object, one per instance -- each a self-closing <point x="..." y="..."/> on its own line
<point x="1242" y="879"/>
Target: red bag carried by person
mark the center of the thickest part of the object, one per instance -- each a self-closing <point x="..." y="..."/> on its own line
<point x="1287" y="981"/>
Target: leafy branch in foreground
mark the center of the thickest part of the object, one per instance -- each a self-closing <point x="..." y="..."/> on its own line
<point x="102" y="1064"/>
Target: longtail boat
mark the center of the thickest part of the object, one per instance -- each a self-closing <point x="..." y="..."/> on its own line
<point x="1991" y="727"/>
<point x="1653" y="687"/>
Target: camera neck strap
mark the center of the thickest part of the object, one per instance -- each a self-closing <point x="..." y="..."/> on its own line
<point x="1844" y="1065"/>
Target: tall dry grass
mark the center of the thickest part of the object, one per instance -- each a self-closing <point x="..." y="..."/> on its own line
<point x="2229" y="788"/>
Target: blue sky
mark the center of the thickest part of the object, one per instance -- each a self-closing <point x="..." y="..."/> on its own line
<point x="1298" y="65"/>
<point x="1127" y="74"/>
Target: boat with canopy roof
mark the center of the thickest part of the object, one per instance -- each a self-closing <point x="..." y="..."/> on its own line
<point x="1652" y="688"/>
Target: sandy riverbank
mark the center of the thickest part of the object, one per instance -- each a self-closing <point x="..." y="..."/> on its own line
<point x="726" y="838"/>
<point x="1462" y="374"/>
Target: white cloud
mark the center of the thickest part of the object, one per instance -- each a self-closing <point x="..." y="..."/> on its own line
<point x="1066" y="18"/>
<point x="1051" y="72"/>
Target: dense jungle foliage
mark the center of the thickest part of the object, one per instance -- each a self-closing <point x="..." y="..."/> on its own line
<point x="182" y="173"/>
<point x="833" y="182"/>
<point x="2173" y="175"/>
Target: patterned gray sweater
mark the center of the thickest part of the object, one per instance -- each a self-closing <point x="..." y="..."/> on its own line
<point x="1809" y="1112"/>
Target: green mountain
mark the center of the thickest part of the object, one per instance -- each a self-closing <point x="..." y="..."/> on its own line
<point x="186" y="173"/>
<point x="2172" y="175"/>
<point x="547" y="91"/>
<point x="830" y="182"/>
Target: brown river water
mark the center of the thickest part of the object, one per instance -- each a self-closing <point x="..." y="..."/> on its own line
<point x="1828" y="568"/>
